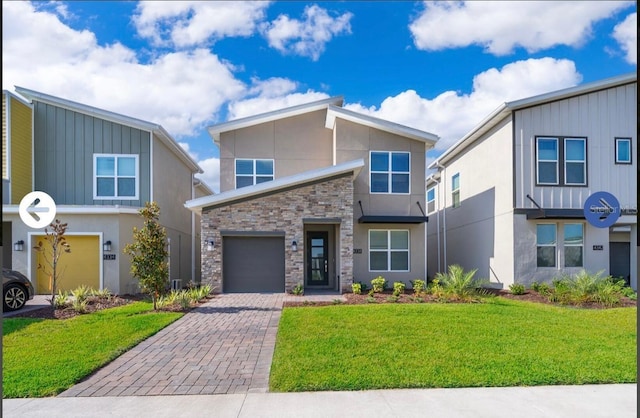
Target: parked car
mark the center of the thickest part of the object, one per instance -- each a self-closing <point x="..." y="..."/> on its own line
<point x="16" y="290"/>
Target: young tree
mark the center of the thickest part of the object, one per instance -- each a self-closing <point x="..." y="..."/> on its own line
<point x="149" y="254"/>
<point x="56" y="245"/>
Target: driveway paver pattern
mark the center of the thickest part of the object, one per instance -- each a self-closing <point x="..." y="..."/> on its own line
<point x="222" y="347"/>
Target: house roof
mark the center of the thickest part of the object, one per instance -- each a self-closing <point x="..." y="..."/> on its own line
<point x="231" y="125"/>
<point x="334" y="112"/>
<point x="507" y="108"/>
<point x="202" y="185"/>
<point x="156" y="129"/>
<point x="272" y="186"/>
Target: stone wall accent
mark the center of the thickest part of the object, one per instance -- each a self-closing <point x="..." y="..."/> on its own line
<point x="284" y="212"/>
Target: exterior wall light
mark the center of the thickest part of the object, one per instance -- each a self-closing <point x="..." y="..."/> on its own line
<point x="209" y="245"/>
<point x="294" y="246"/>
<point x="18" y="246"/>
<point x="106" y="247"/>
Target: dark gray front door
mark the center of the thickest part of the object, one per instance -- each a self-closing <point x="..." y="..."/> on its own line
<point x="620" y="260"/>
<point x="252" y="264"/>
<point x="317" y="258"/>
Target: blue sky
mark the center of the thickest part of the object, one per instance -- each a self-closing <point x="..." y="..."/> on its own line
<point x="436" y="66"/>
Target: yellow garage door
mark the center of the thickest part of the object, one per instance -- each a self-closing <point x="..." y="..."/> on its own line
<point x="79" y="267"/>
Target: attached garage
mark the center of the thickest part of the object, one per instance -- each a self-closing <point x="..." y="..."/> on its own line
<point x="253" y="264"/>
<point x="79" y="267"/>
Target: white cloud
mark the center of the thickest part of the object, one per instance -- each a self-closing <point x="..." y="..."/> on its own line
<point x="626" y="33"/>
<point x="309" y="36"/>
<point x="211" y="175"/>
<point x="181" y="90"/>
<point x="502" y="26"/>
<point x="451" y="115"/>
<point x="193" y="23"/>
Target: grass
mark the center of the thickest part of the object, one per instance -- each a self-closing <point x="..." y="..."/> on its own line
<point x="45" y="357"/>
<point x="497" y="343"/>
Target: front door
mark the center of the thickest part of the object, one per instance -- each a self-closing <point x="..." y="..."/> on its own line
<point x="620" y="260"/>
<point x="317" y="258"/>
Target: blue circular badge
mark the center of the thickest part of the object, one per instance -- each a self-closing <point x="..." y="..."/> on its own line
<point x="602" y="209"/>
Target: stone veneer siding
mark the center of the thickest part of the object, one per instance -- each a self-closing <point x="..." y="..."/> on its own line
<point x="284" y="212"/>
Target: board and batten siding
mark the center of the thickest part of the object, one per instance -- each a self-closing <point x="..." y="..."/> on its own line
<point x="65" y="142"/>
<point x="21" y="150"/>
<point x="600" y="117"/>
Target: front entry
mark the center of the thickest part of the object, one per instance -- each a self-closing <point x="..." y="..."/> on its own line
<point x="317" y="246"/>
<point x="620" y="260"/>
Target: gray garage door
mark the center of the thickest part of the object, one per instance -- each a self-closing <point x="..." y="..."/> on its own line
<point x="252" y="264"/>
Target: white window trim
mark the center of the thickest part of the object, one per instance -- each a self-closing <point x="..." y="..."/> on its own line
<point x="390" y="172"/>
<point x="619" y="161"/>
<point x="389" y="250"/>
<point x="136" y="157"/>
<point x="556" y="245"/>
<point x="254" y="175"/>
<point x="454" y="191"/>
<point x="538" y="161"/>
<point x="435" y="207"/>
<point x="584" y="161"/>
<point x="564" y="245"/>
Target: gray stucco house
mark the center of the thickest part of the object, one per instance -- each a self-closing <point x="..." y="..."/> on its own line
<point x="316" y="195"/>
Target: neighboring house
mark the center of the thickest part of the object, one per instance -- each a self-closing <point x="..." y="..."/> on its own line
<point x="315" y="195"/>
<point x="508" y="197"/>
<point x="100" y="168"/>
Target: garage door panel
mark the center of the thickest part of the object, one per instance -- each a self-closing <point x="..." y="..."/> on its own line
<point x="252" y="264"/>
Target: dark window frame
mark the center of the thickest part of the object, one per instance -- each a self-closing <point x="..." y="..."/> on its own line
<point x="561" y="162"/>
<point x="615" y="150"/>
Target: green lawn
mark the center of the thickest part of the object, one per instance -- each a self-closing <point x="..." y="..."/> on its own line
<point x="45" y="357"/>
<point x="497" y="343"/>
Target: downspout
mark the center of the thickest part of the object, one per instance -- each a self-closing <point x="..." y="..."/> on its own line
<point x="193" y="231"/>
<point x="444" y="214"/>
<point x="425" y="241"/>
<point x="437" y="182"/>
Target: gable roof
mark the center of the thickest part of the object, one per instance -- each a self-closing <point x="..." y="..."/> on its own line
<point x="274" y="186"/>
<point x="334" y="112"/>
<point x="507" y="108"/>
<point x="156" y="129"/>
<point x="231" y="125"/>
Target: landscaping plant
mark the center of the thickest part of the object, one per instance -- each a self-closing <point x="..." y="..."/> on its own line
<point x="148" y="253"/>
<point x="298" y="290"/>
<point x="378" y="284"/>
<point x="56" y="245"/>
<point x="459" y="284"/>
<point x="398" y="288"/>
<point x="357" y="288"/>
<point x="418" y="286"/>
<point x="517" y="289"/>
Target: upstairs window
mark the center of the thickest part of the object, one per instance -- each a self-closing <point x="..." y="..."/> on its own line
<point x="115" y="176"/>
<point x="561" y="161"/>
<point x="455" y="190"/>
<point x="431" y="200"/>
<point x="250" y="172"/>
<point x="623" y="150"/>
<point x="390" y="172"/>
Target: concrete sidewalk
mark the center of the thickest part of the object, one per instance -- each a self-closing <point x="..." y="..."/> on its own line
<point x="587" y="401"/>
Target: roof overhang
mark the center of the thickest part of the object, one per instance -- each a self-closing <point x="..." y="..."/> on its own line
<point x="551" y="213"/>
<point x="377" y="219"/>
<point x="154" y="128"/>
<point x="334" y="112"/>
<point x="275" y="186"/>
<point x="81" y="210"/>
<point x="231" y="125"/>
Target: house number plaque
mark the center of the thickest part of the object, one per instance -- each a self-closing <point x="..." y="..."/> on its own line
<point x="108" y="256"/>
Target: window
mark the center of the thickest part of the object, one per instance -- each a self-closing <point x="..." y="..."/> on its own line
<point x="388" y="250"/>
<point x="546" y="245"/>
<point x="623" y="150"/>
<point x="389" y="172"/>
<point x="573" y="245"/>
<point x="115" y="176"/>
<point x="455" y="190"/>
<point x="431" y="200"/>
<point x="561" y="161"/>
<point x="250" y="172"/>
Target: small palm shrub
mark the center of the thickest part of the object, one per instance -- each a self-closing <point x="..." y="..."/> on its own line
<point x="378" y="284"/>
<point x="517" y="289"/>
<point x="298" y="290"/>
<point x="585" y="287"/>
<point x="459" y="284"/>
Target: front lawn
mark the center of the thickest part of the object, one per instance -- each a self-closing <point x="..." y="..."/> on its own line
<point x="43" y="357"/>
<point x="497" y="343"/>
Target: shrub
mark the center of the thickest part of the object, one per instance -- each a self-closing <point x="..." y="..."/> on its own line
<point x="517" y="289"/>
<point x="418" y="286"/>
<point x="392" y="298"/>
<point x="459" y="284"/>
<point x="81" y="293"/>
<point x="363" y="286"/>
<point x="371" y="299"/>
<point x="378" y="284"/>
<point x="60" y="300"/>
<point x="298" y="290"/>
<point x="370" y="294"/>
<point x="629" y="292"/>
<point x="357" y="288"/>
<point x="102" y="293"/>
<point x="585" y="287"/>
<point x="398" y="288"/>
<point x="543" y="288"/>
<point x="79" y="305"/>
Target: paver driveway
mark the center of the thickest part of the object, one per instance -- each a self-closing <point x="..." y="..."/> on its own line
<point x="223" y="346"/>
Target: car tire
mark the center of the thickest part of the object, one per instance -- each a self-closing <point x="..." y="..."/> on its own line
<point x="14" y="297"/>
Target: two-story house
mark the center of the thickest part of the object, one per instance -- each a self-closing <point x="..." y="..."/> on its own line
<point x="508" y="198"/>
<point x="315" y="195"/>
<point x="100" y="168"/>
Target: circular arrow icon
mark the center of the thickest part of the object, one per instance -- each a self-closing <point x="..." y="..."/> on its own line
<point x="37" y="210"/>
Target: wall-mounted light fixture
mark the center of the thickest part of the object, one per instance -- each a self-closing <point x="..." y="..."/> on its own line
<point x="106" y="246"/>
<point x="18" y="245"/>
<point x="294" y="245"/>
<point x="210" y="244"/>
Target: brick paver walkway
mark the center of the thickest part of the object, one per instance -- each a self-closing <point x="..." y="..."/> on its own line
<point x="223" y="346"/>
